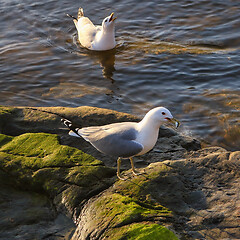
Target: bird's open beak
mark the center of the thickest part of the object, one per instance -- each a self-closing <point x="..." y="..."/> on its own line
<point x="112" y="18"/>
<point x="174" y="121"/>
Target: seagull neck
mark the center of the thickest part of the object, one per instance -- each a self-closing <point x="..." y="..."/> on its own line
<point x="105" y="40"/>
<point x="149" y="122"/>
<point x="107" y="32"/>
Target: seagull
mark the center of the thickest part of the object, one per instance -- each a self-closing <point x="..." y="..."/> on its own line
<point x="125" y="139"/>
<point x="98" y="38"/>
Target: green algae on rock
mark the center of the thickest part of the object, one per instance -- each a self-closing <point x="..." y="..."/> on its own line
<point x="43" y="150"/>
<point x="5" y="110"/>
<point x="38" y="162"/>
<point x="113" y="216"/>
<point x="143" y="231"/>
<point x="4" y="139"/>
<point x="126" y="211"/>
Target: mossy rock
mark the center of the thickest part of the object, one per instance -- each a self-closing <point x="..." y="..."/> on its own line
<point x="5" y="113"/>
<point x="5" y="110"/>
<point x="142" y="231"/>
<point x="126" y="211"/>
<point x="38" y="162"/>
<point x="4" y="139"/>
<point x="38" y="150"/>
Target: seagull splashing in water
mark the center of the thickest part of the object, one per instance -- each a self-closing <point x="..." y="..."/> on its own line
<point x="125" y="139"/>
<point x="98" y="38"/>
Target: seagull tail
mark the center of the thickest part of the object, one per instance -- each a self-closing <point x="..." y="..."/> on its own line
<point x="73" y="134"/>
<point x="71" y="16"/>
<point x="73" y="130"/>
<point x="80" y="13"/>
<point x="75" y="20"/>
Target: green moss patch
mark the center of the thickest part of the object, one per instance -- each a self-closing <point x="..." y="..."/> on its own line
<point x="4" y="139"/>
<point x="5" y="110"/>
<point x="125" y="210"/>
<point x="149" y="232"/>
<point x="125" y="217"/>
<point x="143" y="231"/>
<point x="128" y="211"/>
<point x="37" y="161"/>
<point x="38" y="150"/>
<point x="138" y="187"/>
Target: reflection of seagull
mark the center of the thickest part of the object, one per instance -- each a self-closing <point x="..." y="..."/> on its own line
<point x="98" y="38"/>
<point x="125" y="139"/>
<point x="107" y="61"/>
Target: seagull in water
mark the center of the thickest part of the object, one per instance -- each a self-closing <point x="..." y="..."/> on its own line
<point x="99" y="38"/>
<point x="125" y="139"/>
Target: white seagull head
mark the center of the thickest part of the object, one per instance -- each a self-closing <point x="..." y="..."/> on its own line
<point x="108" y="23"/>
<point x="162" y="115"/>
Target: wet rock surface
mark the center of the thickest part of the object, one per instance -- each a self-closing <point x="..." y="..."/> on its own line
<point x="183" y="192"/>
<point x="30" y="215"/>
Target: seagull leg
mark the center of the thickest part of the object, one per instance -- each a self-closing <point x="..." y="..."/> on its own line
<point x="118" y="170"/>
<point x="133" y="168"/>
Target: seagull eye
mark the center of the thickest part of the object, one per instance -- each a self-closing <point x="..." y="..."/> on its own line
<point x="106" y="20"/>
<point x="163" y="113"/>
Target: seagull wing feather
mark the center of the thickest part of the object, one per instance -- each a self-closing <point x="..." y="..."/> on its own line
<point x="117" y="139"/>
<point x="86" y="31"/>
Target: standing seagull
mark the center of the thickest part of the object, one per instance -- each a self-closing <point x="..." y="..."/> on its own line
<point x="125" y="139"/>
<point x="98" y="38"/>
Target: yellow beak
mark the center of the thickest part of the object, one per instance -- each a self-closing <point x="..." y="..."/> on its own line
<point x="174" y="121"/>
<point x="111" y="17"/>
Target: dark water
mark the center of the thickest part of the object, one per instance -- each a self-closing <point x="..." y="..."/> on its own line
<point x="183" y="55"/>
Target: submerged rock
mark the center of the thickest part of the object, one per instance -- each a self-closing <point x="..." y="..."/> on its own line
<point x="183" y="192"/>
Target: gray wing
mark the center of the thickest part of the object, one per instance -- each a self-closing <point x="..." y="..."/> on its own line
<point x="117" y="139"/>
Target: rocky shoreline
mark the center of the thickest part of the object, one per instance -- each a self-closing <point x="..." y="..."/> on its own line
<point x="54" y="186"/>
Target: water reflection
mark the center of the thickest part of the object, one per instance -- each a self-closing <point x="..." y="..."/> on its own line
<point x="106" y="59"/>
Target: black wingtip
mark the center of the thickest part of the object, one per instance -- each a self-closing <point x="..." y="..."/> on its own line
<point x="67" y="123"/>
<point x="70" y="126"/>
<point x="71" y="16"/>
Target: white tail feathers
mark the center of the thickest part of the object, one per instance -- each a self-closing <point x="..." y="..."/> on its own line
<point x="73" y="130"/>
<point x="72" y="133"/>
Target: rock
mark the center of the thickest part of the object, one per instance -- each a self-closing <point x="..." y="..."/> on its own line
<point x="203" y="189"/>
<point x="36" y="162"/>
<point x="109" y="216"/>
<point x="183" y="192"/>
<point x="124" y="212"/>
<point x="29" y="215"/>
<point x="199" y="195"/>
